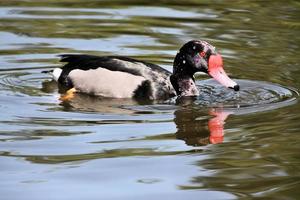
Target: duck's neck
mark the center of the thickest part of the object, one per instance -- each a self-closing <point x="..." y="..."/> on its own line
<point x="184" y="85"/>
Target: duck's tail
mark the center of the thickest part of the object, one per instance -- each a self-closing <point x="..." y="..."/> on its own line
<point x="55" y="73"/>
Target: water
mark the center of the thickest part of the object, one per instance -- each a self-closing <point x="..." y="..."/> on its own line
<point x="220" y="145"/>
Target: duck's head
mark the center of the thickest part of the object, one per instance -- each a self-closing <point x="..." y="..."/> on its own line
<point x="200" y="56"/>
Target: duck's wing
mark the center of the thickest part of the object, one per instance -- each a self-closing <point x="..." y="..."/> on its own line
<point x="113" y="63"/>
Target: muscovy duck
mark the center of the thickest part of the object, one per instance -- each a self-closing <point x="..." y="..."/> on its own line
<point x="123" y="77"/>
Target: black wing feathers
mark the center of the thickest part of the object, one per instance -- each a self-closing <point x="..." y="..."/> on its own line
<point x="86" y="62"/>
<point x="114" y="63"/>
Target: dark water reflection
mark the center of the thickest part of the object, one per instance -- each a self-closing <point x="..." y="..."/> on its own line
<point x="221" y="145"/>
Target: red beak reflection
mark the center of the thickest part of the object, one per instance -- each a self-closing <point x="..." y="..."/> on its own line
<point x="196" y="129"/>
<point x="216" y="126"/>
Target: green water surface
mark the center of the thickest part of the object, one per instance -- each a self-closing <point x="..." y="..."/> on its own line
<point x="95" y="148"/>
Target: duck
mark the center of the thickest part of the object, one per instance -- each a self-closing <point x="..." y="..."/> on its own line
<point x="125" y="77"/>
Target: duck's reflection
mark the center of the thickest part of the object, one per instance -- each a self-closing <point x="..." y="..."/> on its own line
<point x="200" y="127"/>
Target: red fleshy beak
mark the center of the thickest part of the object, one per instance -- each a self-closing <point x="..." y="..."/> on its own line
<point x="215" y="70"/>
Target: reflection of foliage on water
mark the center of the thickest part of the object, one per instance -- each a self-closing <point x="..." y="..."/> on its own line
<point x="117" y="153"/>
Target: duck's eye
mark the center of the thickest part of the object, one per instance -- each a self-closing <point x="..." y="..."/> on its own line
<point x="202" y="54"/>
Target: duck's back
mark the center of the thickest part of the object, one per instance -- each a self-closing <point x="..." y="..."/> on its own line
<point x="117" y="77"/>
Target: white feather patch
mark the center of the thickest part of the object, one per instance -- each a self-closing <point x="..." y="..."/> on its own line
<point x="56" y="73"/>
<point x="105" y="83"/>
